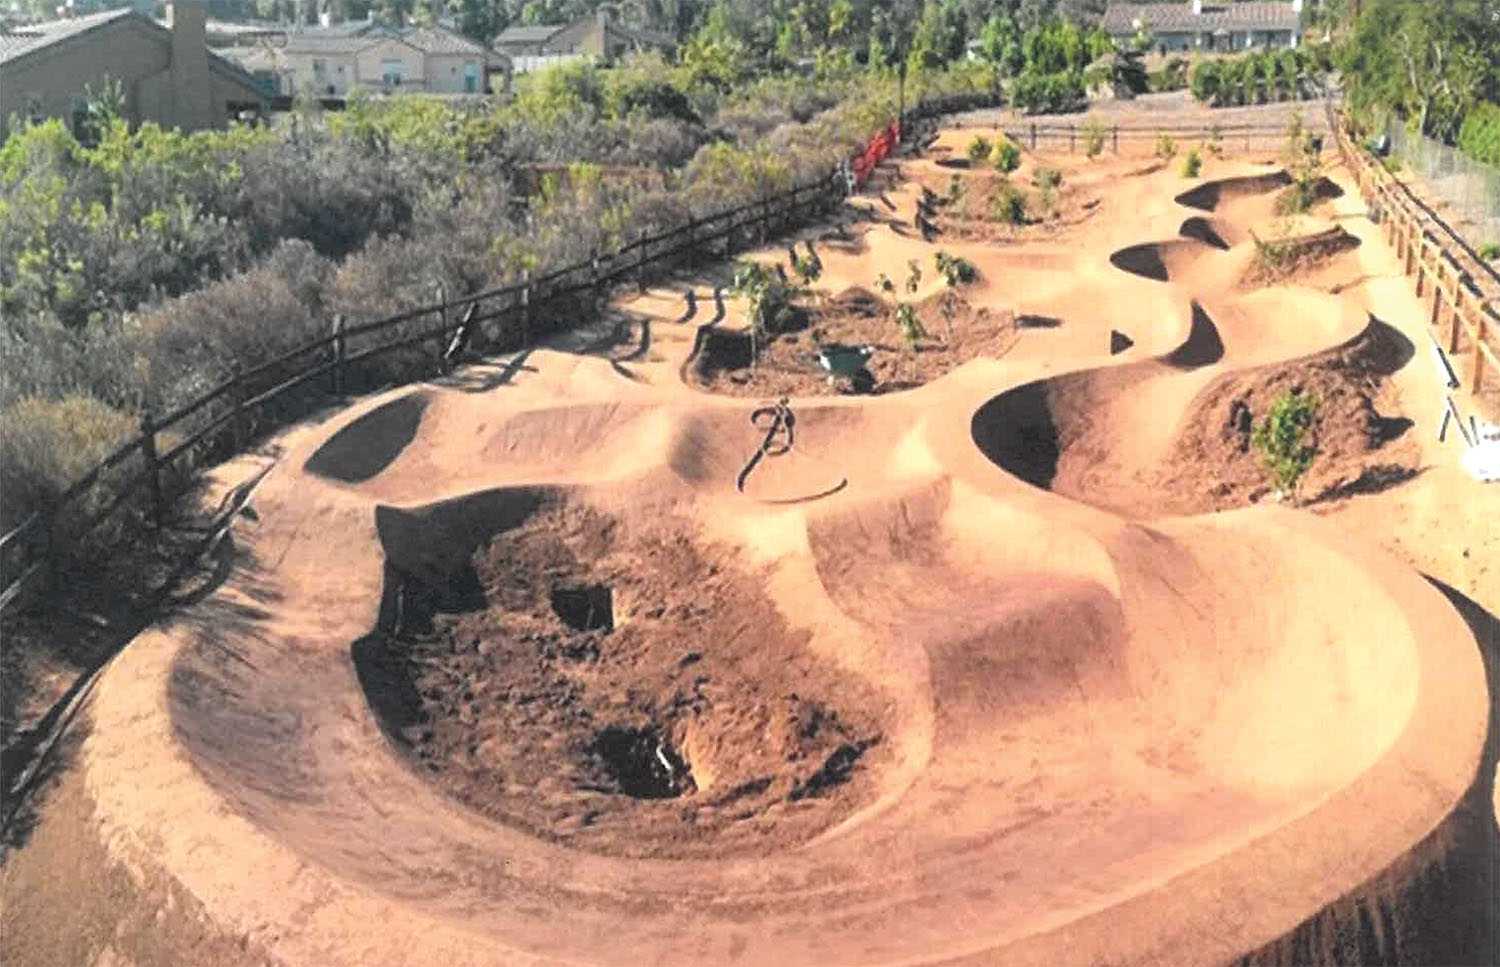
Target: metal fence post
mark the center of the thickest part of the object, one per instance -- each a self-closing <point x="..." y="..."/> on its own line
<point x="338" y="354"/>
<point x="153" y="466"/>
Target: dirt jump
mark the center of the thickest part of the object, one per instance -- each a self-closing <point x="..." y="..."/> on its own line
<point x="1021" y="664"/>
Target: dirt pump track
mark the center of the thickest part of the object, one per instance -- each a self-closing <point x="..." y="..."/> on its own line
<point x="1105" y="735"/>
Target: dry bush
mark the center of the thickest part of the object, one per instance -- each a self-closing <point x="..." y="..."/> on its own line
<point x="45" y="445"/>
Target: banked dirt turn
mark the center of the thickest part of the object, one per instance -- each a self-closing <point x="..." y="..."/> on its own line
<point x="507" y="671"/>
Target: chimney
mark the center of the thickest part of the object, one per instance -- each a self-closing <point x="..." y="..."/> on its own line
<point x="192" y="93"/>
<point x="1197" y="8"/>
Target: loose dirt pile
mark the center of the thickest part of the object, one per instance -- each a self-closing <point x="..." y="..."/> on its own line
<point x="1213" y="465"/>
<point x="631" y="695"/>
<point x="787" y="365"/>
<point x="988" y="206"/>
<point x="1286" y="258"/>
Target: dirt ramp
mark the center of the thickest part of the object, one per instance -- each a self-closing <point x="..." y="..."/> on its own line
<point x="1173" y="436"/>
<point x="1212" y="232"/>
<point x="585" y="694"/>
<point x="1212" y="196"/>
<point x="433" y="544"/>
<point x="1167" y="261"/>
<point x="369" y="444"/>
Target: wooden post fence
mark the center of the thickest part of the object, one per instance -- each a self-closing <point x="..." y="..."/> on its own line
<point x="525" y="308"/>
<point x="153" y="467"/>
<point x="330" y="352"/>
<point x="339" y="354"/>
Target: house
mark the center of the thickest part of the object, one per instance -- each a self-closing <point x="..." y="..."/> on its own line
<point x="600" y="37"/>
<point x="166" y="72"/>
<point x="332" y="61"/>
<point x="1219" y="25"/>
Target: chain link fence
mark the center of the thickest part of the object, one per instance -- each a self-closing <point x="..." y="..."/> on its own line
<point x="1470" y="188"/>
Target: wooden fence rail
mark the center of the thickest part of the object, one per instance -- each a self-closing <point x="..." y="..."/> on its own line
<point x="1426" y="246"/>
<point x="28" y="549"/>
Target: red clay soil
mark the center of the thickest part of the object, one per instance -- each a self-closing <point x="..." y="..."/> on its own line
<point x="1360" y="447"/>
<point x="787" y="366"/>
<point x="629" y="694"/>
<point x="1296" y="260"/>
<point x="971" y="215"/>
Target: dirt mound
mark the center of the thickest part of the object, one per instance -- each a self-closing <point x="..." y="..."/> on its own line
<point x="621" y="690"/>
<point x="1213" y="466"/>
<point x="1062" y="434"/>
<point x="369" y="444"/>
<point x="1211" y="195"/>
<point x="1161" y="261"/>
<point x="953" y="332"/>
<point x="1296" y="258"/>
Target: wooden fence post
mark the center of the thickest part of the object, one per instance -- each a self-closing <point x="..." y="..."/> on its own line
<point x="442" y="312"/>
<point x="1437" y="289"/>
<point x="237" y="397"/>
<point x="1458" y="313"/>
<point x="1421" y="262"/>
<point x="153" y="467"/>
<point x="1117" y="139"/>
<point x="594" y="276"/>
<point x="643" y="251"/>
<point x="525" y="308"/>
<point x="765" y="219"/>
<point x="1033" y="135"/>
<point x="1481" y="325"/>
<point x="1072" y="138"/>
<point x="339" y="352"/>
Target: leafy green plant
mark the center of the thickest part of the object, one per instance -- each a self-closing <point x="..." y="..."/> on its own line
<point x="1192" y="164"/>
<point x="913" y="277"/>
<point x="955" y="270"/>
<point x="1006" y="156"/>
<point x="1009" y="205"/>
<point x="979" y="149"/>
<point x="1302" y="155"/>
<point x="910" y="325"/>
<point x="1215" y="143"/>
<point x="1282" y="439"/>
<point x="1094" y="133"/>
<point x="1166" y="147"/>
<point x="1273" y="256"/>
<point x="1047" y="178"/>
<point x="955" y="189"/>
<point x="769" y="298"/>
<point x="1490" y="251"/>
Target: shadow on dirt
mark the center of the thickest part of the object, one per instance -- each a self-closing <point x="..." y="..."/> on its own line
<point x="372" y="442"/>
<point x="1203" y="347"/>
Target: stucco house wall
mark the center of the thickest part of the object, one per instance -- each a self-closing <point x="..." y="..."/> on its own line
<point x="50" y="80"/>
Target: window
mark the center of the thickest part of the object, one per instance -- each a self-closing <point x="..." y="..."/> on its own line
<point x="392" y="70"/>
<point x="471" y="77"/>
